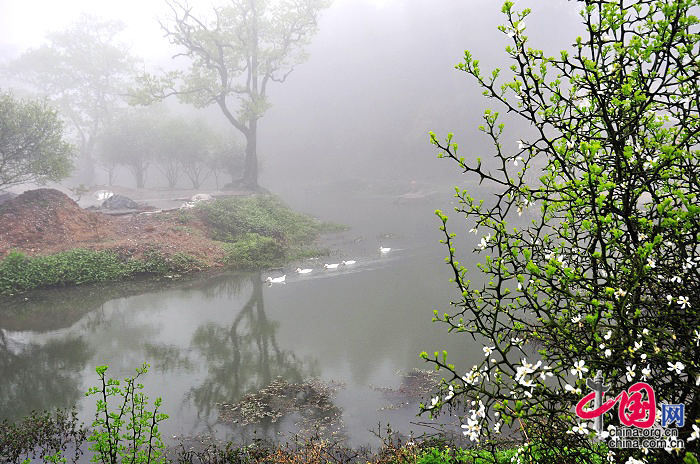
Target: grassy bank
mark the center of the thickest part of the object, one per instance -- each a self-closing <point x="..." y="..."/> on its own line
<point x="20" y="273"/>
<point x="254" y="232"/>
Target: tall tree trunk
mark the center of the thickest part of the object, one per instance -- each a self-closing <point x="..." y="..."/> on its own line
<point x="249" y="179"/>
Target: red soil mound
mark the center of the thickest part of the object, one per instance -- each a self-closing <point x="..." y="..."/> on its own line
<point x="46" y="217"/>
<point x="46" y="221"/>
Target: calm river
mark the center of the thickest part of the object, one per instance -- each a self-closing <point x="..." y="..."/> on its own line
<point x="211" y="339"/>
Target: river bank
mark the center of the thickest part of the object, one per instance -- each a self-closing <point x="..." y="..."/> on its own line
<point x="47" y="239"/>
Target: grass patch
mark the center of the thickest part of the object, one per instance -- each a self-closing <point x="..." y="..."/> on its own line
<point x="20" y="273"/>
<point x="261" y="231"/>
<point x="253" y="251"/>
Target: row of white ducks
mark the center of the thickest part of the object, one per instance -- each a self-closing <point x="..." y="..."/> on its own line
<point x="280" y="280"/>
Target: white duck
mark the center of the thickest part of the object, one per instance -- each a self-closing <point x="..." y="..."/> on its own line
<point x="352" y="261"/>
<point x="331" y="266"/>
<point x="384" y="249"/>
<point x="303" y="271"/>
<point x="276" y="280"/>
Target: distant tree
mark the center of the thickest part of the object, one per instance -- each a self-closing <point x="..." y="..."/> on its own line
<point x="604" y="276"/>
<point x="32" y="148"/>
<point x="168" y="152"/>
<point x="110" y="166"/>
<point x="131" y="142"/>
<point x="85" y="72"/>
<point x="246" y="45"/>
<point x="195" y="147"/>
<point x="227" y="155"/>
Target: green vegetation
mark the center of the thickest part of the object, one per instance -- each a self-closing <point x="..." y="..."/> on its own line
<point x="20" y="273"/>
<point x="261" y="231"/>
<point x="128" y="433"/>
<point x="44" y="436"/>
<point x="83" y="70"/>
<point x="605" y="278"/>
<point x="32" y="148"/>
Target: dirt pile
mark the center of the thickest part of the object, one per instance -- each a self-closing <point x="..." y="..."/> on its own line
<point x="44" y="218"/>
<point x="46" y="221"/>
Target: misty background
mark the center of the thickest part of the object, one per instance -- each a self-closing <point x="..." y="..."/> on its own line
<point x="379" y="77"/>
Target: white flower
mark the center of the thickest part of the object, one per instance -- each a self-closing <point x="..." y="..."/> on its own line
<point x="611" y="456"/>
<point x="697" y="337"/>
<point x="669" y="298"/>
<point x="521" y="145"/>
<point x="576" y="318"/>
<point x="646" y="372"/>
<point x="579" y="369"/>
<point x="484" y="242"/>
<point x="527" y="384"/>
<point x="630" y="372"/>
<point x="488" y="350"/>
<point x="545" y="372"/>
<point x="608" y="353"/>
<point x="683" y="301"/>
<point x="569" y="144"/>
<point x="637" y="345"/>
<point x="696" y="433"/>
<point x="520" y="285"/>
<point x="645" y="331"/>
<point x="643" y="356"/>
<point x="608" y="335"/>
<point x="651" y="263"/>
<point x="516" y="341"/>
<point x="517" y="158"/>
<point x="677" y="366"/>
<point x="650" y="161"/>
<point x="474" y="229"/>
<point x="560" y="258"/>
<point x="643" y="236"/>
<point x="620" y="293"/>
<point x="434" y="401"/>
<point x="450" y="393"/>
<point x="581" y="428"/>
<point x="497" y="427"/>
<point x="472" y="429"/>
<point x="569" y="388"/>
<point x="689" y="264"/>
<point x="676" y="279"/>
<point x="517" y="29"/>
<point x="526" y="368"/>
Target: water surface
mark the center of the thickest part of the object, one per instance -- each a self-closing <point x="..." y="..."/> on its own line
<point x="212" y="339"/>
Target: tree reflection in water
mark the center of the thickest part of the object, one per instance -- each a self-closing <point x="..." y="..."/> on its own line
<point x="40" y="376"/>
<point x="244" y="357"/>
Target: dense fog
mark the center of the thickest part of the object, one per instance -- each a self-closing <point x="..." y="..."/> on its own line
<point x="380" y="75"/>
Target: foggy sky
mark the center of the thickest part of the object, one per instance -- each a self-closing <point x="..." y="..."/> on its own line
<point x="380" y="76"/>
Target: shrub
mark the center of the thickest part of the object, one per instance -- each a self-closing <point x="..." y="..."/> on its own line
<point x="606" y="278"/>
<point x="128" y="431"/>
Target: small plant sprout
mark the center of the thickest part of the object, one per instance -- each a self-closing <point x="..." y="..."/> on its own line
<point x="125" y="432"/>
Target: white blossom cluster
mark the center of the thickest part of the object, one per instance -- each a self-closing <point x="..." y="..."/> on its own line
<point x="472" y="428"/>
